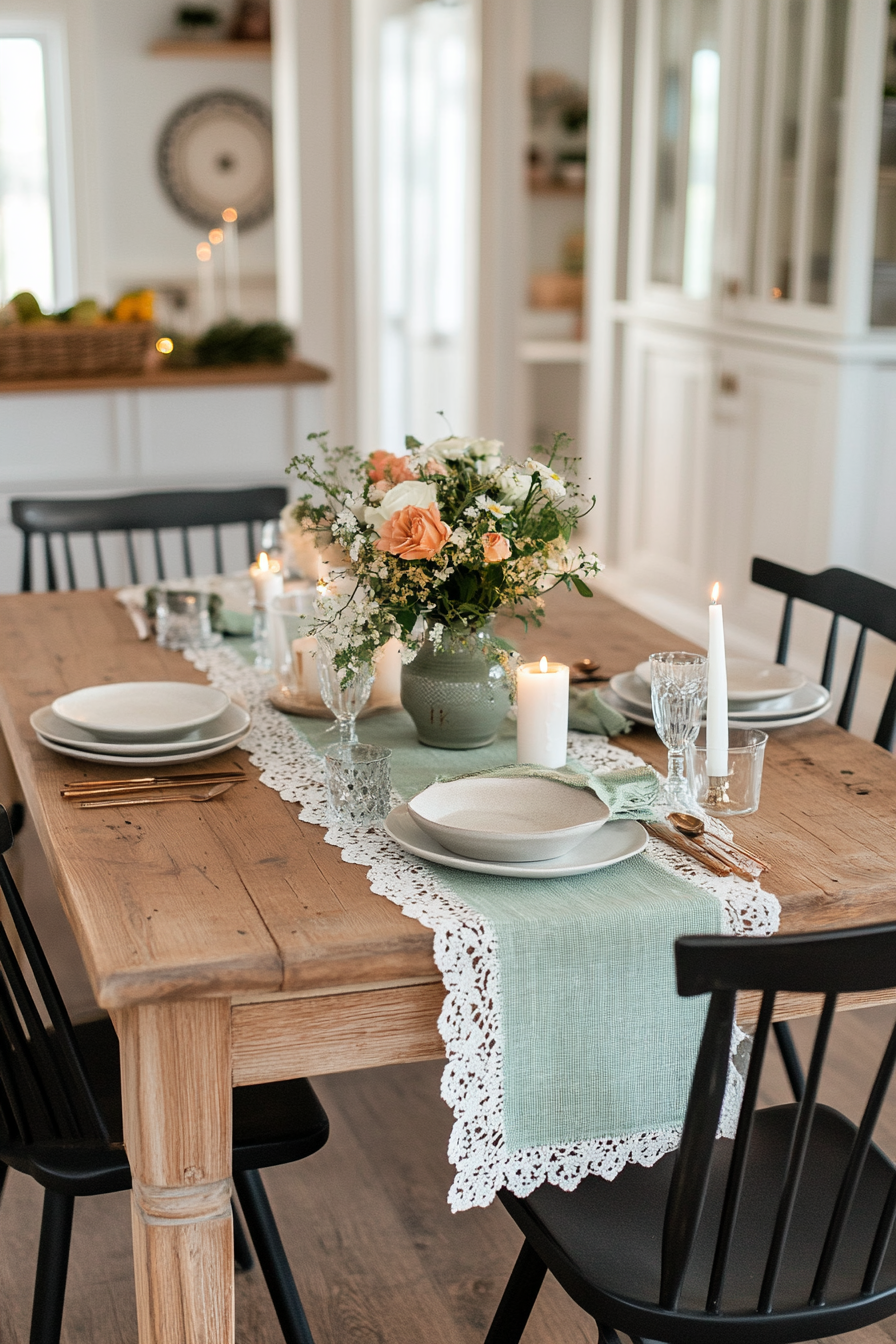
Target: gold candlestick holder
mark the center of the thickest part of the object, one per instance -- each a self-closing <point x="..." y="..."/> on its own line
<point x="717" y="791"/>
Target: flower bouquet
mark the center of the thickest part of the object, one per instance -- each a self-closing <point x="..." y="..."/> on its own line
<point x="428" y="546"/>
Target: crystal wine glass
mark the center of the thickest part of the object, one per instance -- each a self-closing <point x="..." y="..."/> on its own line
<point x="344" y="701"/>
<point x="678" y="695"/>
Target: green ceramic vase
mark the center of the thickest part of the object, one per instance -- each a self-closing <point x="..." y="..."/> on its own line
<point x="456" y="696"/>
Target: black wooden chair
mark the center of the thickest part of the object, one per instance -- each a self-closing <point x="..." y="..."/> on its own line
<point x="60" y="1122"/>
<point x="872" y="605"/>
<point x="127" y="514"/>
<point x="784" y="1233"/>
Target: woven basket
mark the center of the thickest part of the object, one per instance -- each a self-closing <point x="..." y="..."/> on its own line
<point x="64" y="350"/>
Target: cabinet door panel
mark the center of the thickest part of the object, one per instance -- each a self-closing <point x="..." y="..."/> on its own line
<point x="236" y="432"/>
<point x="666" y="416"/>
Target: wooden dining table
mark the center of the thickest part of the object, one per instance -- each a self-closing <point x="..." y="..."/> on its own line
<point x="231" y="945"/>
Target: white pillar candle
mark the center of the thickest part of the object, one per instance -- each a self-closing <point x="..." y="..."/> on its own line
<point x="304" y="662"/>
<point x="387" y="682"/>
<point x="542" y="693"/>
<point x="267" y="579"/>
<point x="716" y="694"/>
<point x="206" y="281"/>
<point x="231" y="262"/>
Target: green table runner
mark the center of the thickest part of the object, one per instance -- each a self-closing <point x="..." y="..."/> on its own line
<point x="595" y="1041"/>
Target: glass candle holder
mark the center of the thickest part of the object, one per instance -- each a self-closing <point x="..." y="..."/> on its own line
<point x="183" y="619"/>
<point x="358" y="783"/>
<point x="293" y="646"/>
<point x="740" y="794"/>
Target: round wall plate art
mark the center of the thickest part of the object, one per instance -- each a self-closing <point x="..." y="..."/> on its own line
<point x="216" y="151"/>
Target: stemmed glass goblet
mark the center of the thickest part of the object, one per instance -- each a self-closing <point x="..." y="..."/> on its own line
<point x="678" y="695"/>
<point x="344" y="701"/>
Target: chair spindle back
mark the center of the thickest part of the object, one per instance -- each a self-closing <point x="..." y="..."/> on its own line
<point x="827" y="964"/>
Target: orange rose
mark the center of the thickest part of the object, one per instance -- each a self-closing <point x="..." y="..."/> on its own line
<point x="386" y="468"/>
<point x="414" y="533"/>
<point x="496" y="547"/>
<point x="434" y="468"/>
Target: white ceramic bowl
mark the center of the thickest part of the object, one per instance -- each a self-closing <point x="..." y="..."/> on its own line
<point x="508" y="820"/>
<point x="135" y="711"/>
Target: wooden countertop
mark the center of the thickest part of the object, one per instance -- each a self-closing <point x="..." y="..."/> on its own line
<point x="240" y="897"/>
<point x="234" y="375"/>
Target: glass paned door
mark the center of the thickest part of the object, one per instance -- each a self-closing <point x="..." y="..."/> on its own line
<point x="797" y="52"/>
<point x="415" y="140"/>
<point x="684" y="200"/>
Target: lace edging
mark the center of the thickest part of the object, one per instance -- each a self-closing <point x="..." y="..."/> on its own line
<point x="464" y="949"/>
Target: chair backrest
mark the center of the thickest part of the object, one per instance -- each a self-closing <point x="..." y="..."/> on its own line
<point x="127" y="514"/>
<point x="872" y="605"/>
<point x="45" y="1094"/>
<point x="828" y="963"/>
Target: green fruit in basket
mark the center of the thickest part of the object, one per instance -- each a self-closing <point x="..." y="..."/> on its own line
<point x="27" y="306"/>
<point x="86" y="313"/>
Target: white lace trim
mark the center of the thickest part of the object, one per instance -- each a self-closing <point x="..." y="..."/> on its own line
<point x="464" y="946"/>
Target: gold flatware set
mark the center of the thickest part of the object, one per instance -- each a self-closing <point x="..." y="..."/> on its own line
<point x="131" y="792"/>
<point x="688" y="834"/>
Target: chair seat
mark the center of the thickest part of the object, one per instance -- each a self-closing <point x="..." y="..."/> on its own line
<point x="603" y="1240"/>
<point x="273" y="1123"/>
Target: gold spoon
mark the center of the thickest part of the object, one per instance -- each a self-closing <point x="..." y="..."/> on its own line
<point x="695" y="828"/>
<point x="180" y="798"/>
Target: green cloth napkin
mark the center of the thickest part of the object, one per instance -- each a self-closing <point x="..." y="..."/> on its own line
<point x="590" y="713"/>
<point x="629" y="794"/>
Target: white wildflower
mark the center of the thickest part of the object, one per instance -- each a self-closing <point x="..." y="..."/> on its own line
<point x="346" y="522"/>
<point x="460" y="536"/>
<point x="492" y="507"/>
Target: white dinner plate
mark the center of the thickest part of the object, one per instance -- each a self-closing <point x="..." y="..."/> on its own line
<point x="806" y="700"/>
<point x="615" y="841"/>
<point x="231" y="724"/>
<point x="131" y="711"/>
<point x="640" y="716"/>
<point x="749" y="680"/>
<point x="99" y="758"/>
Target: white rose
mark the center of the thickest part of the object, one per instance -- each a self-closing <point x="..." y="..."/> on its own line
<point x="513" y="486"/>
<point x="447" y="450"/>
<point x="419" y="493"/>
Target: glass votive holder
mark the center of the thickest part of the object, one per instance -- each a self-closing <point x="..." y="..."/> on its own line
<point x="739" y="793"/>
<point x="293" y="648"/>
<point x="184" y="619"/>
<point x="358" y="783"/>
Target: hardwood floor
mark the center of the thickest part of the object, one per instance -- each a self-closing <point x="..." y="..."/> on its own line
<point x="378" y="1257"/>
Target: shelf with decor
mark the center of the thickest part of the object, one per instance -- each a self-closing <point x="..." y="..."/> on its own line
<point x="221" y="49"/>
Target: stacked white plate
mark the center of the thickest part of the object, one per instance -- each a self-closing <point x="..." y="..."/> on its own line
<point x="760" y="695"/>
<point x="525" y="827"/>
<point x="141" y="723"/>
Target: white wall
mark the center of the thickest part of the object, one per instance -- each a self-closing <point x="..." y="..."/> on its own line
<point x="146" y="241"/>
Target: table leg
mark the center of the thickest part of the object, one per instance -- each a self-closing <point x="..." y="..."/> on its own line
<point x="176" y="1089"/>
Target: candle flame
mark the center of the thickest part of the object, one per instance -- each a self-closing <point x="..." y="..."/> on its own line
<point x="229" y="215"/>
<point x="543" y="665"/>
<point x="263" y="562"/>
<point x="203" y="251"/>
<point x="716" y="589"/>
<point x="216" y="236"/>
<point x="164" y="345"/>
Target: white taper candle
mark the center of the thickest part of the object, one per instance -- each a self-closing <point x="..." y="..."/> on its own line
<point x="716" y="694"/>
